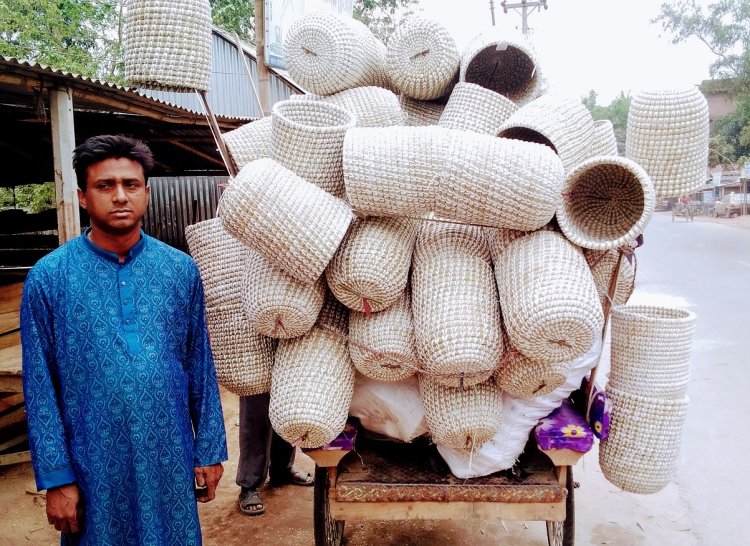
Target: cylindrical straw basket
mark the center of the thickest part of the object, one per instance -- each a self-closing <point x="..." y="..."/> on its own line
<point x="420" y="113"/>
<point x="250" y="142"/>
<point x="651" y="350"/>
<point x="221" y="260"/>
<point x="461" y="418"/>
<point x="294" y="224"/>
<point x="372" y="106"/>
<point x="603" y="139"/>
<point x="603" y="264"/>
<point x="475" y="108"/>
<point x="393" y="171"/>
<point x="525" y="378"/>
<point x="497" y="182"/>
<point x="667" y="134"/>
<point x="382" y="345"/>
<point x="422" y="59"/>
<point x="243" y="358"/>
<point x="313" y="382"/>
<point x="371" y="267"/>
<point x="640" y="454"/>
<point x="499" y="238"/>
<point x="167" y="44"/>
<point x="278" y="305"/>
<point x="551" y="308"/>
<point x="607" y="202"/>
<point x="456" y="316"/>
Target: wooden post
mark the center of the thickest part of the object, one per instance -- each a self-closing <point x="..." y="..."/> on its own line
<point x="213" y="125"/>
<point x="264" y="75"/>
<point x="63" y="143"/>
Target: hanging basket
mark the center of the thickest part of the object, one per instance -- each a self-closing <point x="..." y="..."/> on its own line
<point x="603" y="264"/>
<point x="421" y="113"/>
<point x="525" y="378"/>
<point x="603" y="139"/>
<point x="475" y="108"/>
<point x="250" y="142"/>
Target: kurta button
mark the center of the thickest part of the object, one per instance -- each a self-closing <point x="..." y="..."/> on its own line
<point x="127" y="322"/>
<point x="123" y="283"/>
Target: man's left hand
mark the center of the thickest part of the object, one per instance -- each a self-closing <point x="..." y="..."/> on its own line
<point x="208" y="477"/>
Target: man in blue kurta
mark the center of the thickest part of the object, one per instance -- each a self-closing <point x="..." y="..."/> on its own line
<point x="124" y="414"/>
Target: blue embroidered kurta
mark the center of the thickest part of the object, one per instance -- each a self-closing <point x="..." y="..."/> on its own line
<point x="120" y="389"/>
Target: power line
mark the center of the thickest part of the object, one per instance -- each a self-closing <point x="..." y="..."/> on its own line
<point x="525" y="7"/>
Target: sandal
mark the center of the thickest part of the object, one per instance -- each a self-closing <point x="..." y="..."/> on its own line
<point x="249" y="503"/>
<point x="294" y="477"/>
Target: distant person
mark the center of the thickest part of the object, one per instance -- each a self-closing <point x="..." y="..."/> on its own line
<point x="123" y="408"/>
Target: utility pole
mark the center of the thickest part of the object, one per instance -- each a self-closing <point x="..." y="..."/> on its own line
<point x="492" y="11"/>
<point x="264" y="75"/>
<point x="527" y="7"/>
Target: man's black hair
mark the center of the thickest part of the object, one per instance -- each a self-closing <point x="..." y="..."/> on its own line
<point x="99" y="148"/>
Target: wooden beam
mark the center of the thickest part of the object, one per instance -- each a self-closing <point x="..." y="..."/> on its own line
<point x="13" y="442"/>
<point x="15" y="458"/>
<point x="63" y="143"/>
<point x="197" y="152"/>
<point x="11" y="383"/>
<point x="16" y="416"/>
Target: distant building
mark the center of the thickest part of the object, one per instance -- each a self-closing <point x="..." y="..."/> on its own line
<point x="721" y="97"/>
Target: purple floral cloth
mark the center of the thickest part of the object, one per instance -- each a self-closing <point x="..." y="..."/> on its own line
<point x="601" y="406"/>
<point x="564" y="428"/>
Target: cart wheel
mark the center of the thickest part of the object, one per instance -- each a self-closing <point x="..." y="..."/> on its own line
<point x="562" y="533"/>
<point x="328" y="531"/>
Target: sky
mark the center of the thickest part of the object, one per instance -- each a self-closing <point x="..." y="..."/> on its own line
<point x="605" y="45"/>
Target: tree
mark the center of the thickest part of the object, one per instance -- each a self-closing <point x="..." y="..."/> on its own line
<point x="382" y="16"/>
<point x="235" y="16"/>
<point x="616" y="112"/>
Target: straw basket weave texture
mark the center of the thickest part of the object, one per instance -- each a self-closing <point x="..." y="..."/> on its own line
<point x="168" y="44"/>
<point x="371" y="267"/>
<point x="640" y="454"/>
<point x="461" y="418"/>
<point x="499" y="238"/>
<point x="603" y="139"/>
<point x="422" y="59"/>
<point x="651" y="350"/>
<point x="561" y="123"/>
<point x="372" y="106"/>
<point x="607" y="202"/>
<point x="525" y="378"/>
<point x="221" y="260"/>
<point x="313" y="382"/>
<point x="307" y="137"/>
<point x="550" y="306"/>
<point x="603" y="264"/>
<point x="393" y="171"/>
<point x="327" y="53"/>
<point x="421" y="112"/>
<point x="278" y="305"/>
<point x="250" y="142"/>
<point x="508" y="67"/>
<point x="667" y="134"/>
<point x="294" y="224"/>
<point x="498" y="182"/>
<point x="243" y="358"/>
<point x="475" y="108"/>
<point x="456" y="316"/>
<point x="382" y="345"/>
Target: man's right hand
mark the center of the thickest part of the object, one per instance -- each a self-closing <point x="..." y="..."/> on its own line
<point x="64" y="508"/>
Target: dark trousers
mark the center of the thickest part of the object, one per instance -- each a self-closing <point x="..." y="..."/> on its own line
<point x="262" y="451"/>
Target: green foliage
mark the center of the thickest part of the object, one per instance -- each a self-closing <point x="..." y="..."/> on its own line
<point x="731" y="136"/>
<point x="616" y="112"/>
<point x="235" y="16"/>
<point x="30" y="197"/>
<point x="382" y="16"/>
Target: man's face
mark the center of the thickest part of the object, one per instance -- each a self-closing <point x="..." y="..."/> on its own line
<point x="116" y="195"/>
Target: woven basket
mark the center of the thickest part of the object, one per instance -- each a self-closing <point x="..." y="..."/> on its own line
<point x="221" y="260"/>
<point x="551" y="308"/>
<point x="243" y="358"/>
<point x="250" y="142"/>
<point x="641" y="452"/>
<point x="372" y="106"/>
<point x="563" y="124"/>
<point x="422" y="59"/>
<point x="651" y="350"/>
<point x="508" y="67"/>
<point x="382" y="345"/>
<point x="371" y="267"/>
<point x="497" y="182"/>
<point x="456" y="315"/>
<point x="278" y="305"/>
<point x="168" y="44"/>
<point x="461" y="418"/>
<point x="667" y="134"/>
<point x="607" y="202"/>
<point x="294" y="224"/>
<point x="499" y="238"/>
<point x="475" y="108"/>
<point x="603" y="139"/>
<point x="313" y="382"/>
<point x="525" y="378"/>
<point x="327" y="53"/>
<point x="393" y="171"/>
<point x="420" y="113"/>
<point x="603" y="264"/>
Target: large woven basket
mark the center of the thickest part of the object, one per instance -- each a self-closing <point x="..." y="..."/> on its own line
<point x="422" y="59"/>
<point x="294" y="224"/>
<point x="461" y="418"/>
<point x="667" y="134"/>
<point x="551" y="308"/>
<point x="525" y="378"/>
<point x="382" y="345"/>
<point x="221" y="260"/>
<point x="371" y="267"/>
<point x="456" y="316"/>
<point x="278" y="305"/>
<point x="243" y="358"/>
<point x="498" y="182"/>
<point x="603" y="264"/>
<point x="651" y="350"/>
<point x="499" y="238"/>
<point x="250" y="142"/>
<point x="167" y="44"/>
<point x="393" y="171"/>
<point x="372" y="106"/>
<point x="313" y="382"/>
<point x="475" y="108"/>
<point x="563" y="124"/>
<point x="508" y="67"/>
<point x="641" y="452"/>
<point x="420" y="113"/>
<point x="603" y="139"/>
<point x="607" y="202"/>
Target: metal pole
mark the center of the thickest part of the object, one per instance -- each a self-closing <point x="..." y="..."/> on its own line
<point x="213" y="125"/>
<point x="492" y="11"/>
<point x="524" y="18"/>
